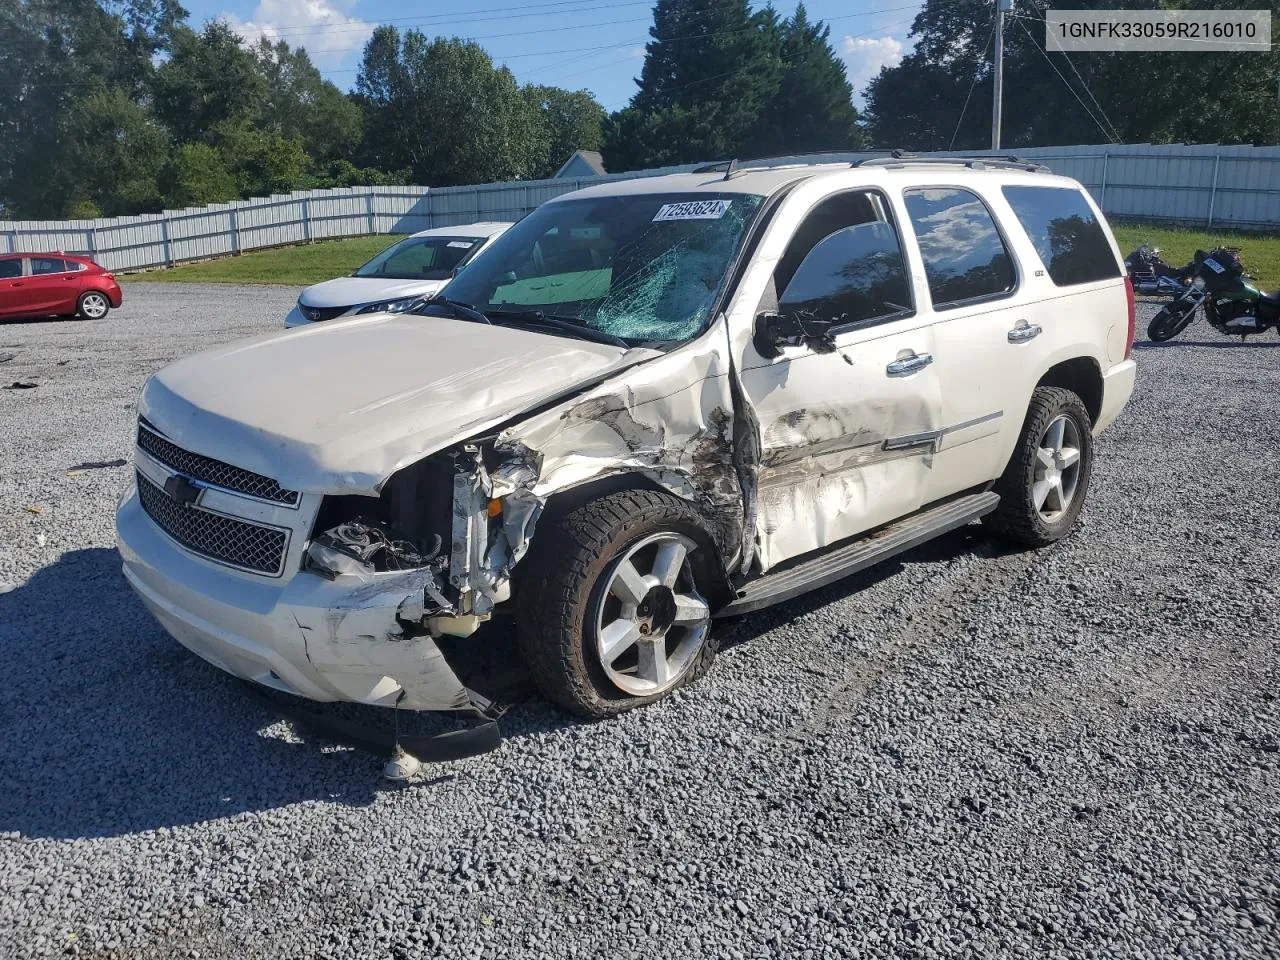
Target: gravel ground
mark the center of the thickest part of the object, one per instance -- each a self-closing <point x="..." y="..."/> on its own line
<point x="972" y="751"/>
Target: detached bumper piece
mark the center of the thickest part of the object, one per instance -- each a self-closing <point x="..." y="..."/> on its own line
<point x="404" y="752"/>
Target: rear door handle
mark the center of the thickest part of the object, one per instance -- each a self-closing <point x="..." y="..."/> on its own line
<point x="909" y="365"/>
<point x="1024" y="332"/>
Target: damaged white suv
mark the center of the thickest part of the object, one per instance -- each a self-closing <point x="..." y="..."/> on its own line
<point x="650" y="403"/>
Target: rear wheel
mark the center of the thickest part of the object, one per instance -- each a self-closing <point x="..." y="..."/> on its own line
<point x="1043" y="488"/>
<point x="92" y="305"/>
<point x="611" y="614"/>
<point x="1168" y="323"/>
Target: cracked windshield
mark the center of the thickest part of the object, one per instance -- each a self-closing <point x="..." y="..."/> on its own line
<point x="643" y="267"/>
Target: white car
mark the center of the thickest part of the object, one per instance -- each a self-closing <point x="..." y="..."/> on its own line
<point x="650" y="403"/>
<point x="418" y="266"/>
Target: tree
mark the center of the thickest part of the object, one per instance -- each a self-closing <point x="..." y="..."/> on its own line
<point x="568" y="121"/>
<point x="710" y="72"/>
<point x="299" y="103"/>
<point x="117" y="152"/>
<point x="53" y="53"/>
<point x="196" y="175"/>
<point x="440" y="108"/>
<point x="209" y="79"/>
<point x="1130" y="97"/>
<point x="813" y="108"/>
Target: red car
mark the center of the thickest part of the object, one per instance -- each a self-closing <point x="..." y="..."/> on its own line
<point x="55" y="284"/>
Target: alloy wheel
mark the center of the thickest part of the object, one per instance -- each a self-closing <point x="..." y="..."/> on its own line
<point x="652" y="623"/>
<point x="94" y="306"/>
<point x="1057" y="471"/>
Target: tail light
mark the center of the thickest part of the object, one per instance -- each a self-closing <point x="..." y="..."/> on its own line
<point x="1133" y="316"/>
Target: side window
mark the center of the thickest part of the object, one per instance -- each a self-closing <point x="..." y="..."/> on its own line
<point x="844" y="264"/>
<point x="964" y="255"/>
<point x="10" y="268"/>
<point x="1063" y="229"/>
<point x="41" y="265"/>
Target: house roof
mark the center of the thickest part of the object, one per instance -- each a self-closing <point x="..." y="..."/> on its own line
<point x="591" y="158"/>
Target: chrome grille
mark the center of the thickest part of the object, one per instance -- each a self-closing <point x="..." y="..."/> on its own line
<point x="236" y="543"/>
<point x="212" y="471"/>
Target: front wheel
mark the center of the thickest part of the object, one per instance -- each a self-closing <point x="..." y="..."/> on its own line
<point x="611" y="614"/>
<point x="1043" y="488"/>
<point x="92" y="305"/>
<point x="1168" y="323"/>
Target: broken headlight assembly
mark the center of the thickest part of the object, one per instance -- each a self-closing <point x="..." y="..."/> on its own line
<point x="463" y="517"/>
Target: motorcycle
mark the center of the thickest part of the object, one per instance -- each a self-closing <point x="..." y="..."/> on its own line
<point x="1232" y="304"/>
<point x="1151" y="275"/>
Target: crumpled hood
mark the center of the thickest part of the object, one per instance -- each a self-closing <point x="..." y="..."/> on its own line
<point x="353" y="291"/>
<point x="338" y="408"/>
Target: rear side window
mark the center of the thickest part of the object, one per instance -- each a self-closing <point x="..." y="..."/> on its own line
<point x="1062" y="227"/>
<point x="10" y="268"/>
<point x="41" y="265"/>
<point x="964" y="255"/>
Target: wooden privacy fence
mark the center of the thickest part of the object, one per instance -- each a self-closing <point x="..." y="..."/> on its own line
<point x="1203" y="185"/>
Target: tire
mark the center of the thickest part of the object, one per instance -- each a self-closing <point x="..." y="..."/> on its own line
<point x="1020" y="517"/>
<point x="92" y="305"/>
<point x="1167" y="324"/>
<point x="571" y="586"/>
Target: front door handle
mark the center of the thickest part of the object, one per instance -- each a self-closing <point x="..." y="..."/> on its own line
<point x="1024" y="332"/>
<point x="16" y="283"/>
<point x="909" y="365"/>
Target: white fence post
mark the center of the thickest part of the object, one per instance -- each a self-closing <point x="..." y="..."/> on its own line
<point x="13" y="241"/>
<point x="165" y="240"/>
<point x="1102" y="197"/>
<point x="368" y="206"/>
<point x="306" y="219"/>
<point x="1213" y="190"/>
<point x="235" y="232"/>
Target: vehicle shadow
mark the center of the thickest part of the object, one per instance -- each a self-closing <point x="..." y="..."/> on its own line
<point x="957" y="543"/>
<point x="1223" y="344"/>
<point x="111" y="727"/>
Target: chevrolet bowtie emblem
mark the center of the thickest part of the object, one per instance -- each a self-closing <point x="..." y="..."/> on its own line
<point x="182" y="490"/>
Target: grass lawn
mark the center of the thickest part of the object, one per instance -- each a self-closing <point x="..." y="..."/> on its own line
<point x="296" y="266"/>
<point x="313" y="262"/>
<point x="1260" y="253"/>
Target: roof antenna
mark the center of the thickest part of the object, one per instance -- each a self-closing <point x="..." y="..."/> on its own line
<point x="731" y="169"/>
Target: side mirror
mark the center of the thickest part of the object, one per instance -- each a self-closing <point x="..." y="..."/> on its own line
<point x="774" y="331"/>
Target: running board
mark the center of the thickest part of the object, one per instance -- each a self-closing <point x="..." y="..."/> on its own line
<point x="864" y="552"/>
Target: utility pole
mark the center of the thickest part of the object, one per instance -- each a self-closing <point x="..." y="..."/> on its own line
<point x="997" y="94"/>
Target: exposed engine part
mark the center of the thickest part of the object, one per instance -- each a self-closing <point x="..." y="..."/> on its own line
<point x="362" y="546"/>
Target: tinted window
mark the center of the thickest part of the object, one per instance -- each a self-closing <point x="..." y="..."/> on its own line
<point x="10" y="268"/>
<point x="1065" y="233"/>
<point x="854" y="274"/>
<point x="420" y="258"/>
<point x="964" y="256"/>
<point x="41" y="265"/>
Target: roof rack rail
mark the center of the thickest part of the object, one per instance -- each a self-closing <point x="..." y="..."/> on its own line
<point x="974" y="161"/>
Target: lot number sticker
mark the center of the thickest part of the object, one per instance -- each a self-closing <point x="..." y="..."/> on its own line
<point x="693" y="210"/>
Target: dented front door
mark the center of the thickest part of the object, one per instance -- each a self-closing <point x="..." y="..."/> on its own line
<point x="845" y="437"/>
<point x="846" y="425"/>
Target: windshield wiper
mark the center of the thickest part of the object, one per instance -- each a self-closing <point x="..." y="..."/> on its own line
<point x="463" y="311"/>
<point x="569" y="325"/>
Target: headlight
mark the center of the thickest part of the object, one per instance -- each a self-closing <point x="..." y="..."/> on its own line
<point x="390" y="306"/>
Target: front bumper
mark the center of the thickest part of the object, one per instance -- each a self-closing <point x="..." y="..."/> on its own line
<point x="325" y="640"/>
<point x="1117" y="388"/>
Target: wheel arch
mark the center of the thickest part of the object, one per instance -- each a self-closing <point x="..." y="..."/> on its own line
<point x="710" y="566"/>
<point x="1082" y="376"/>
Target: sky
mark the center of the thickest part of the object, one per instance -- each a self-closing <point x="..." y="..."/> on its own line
<point x="596" y="45"/>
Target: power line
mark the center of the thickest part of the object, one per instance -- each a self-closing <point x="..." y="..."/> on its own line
<point x="977" y="71"/>
<point x="1115" y="134"/>
<point x="1065" y="82"/>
